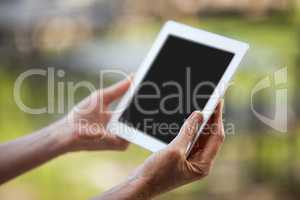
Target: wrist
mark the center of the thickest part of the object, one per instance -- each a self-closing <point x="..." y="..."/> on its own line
<point x="62" y="136"/>
<point x="142" y="186"/>
<point x="150" y="182"/>
<point x="132" y="189"/>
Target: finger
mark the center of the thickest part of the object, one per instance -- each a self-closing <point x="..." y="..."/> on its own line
<point x="218" y="112"/>
<point x="216" y="136"/>
<point x="188" y="131"/>
<point x="114" y="142"/>
<point x="202" y="140"/>
<point x="199" y="145"/>
<point x="214" y="116"/>
<point x="212" y="125"/>
<point x="114" y="92"/>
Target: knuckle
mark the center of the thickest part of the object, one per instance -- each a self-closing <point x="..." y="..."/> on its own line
<point x="221" y="137"/>
<point x="174" y="154"/>
<point x="124" y="146"/>
<point x="202" y="170"/>
<point x="206" y="171"/>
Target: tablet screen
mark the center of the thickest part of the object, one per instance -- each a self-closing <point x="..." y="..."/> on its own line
<point x="180" y="80"/>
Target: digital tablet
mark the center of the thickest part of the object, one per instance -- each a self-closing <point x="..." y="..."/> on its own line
<point x="186" y="69"/>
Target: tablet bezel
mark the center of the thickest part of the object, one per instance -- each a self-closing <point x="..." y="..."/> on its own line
<point x="151" y="143"/>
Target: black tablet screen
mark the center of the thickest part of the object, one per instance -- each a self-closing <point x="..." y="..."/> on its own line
<point x="179" y="81"/>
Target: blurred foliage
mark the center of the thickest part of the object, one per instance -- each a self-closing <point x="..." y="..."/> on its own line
<point x="255" y="163"/>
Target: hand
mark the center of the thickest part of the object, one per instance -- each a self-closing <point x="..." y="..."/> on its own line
<point x="171" y="168"/>
<point x="73" y="133"/>
<point x="87" y="121"/>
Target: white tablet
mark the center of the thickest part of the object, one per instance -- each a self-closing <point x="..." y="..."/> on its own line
<point x="186" y="69"/>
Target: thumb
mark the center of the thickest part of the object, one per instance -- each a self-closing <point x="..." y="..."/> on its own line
<point x="188" y="131"/>
<point x="117" y="90"/>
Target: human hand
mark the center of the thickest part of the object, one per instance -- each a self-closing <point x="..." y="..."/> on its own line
<point x="171" y="167"/>
<point x="85" y="125"/>
<point x="73" y="133"/>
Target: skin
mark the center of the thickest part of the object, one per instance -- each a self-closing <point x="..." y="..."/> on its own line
<point x="171" y="167"/>
<point x="161" y="172"/>
<point x="66" y="135"/>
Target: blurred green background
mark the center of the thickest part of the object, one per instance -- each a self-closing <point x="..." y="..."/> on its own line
<point x="83" y="37"/>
